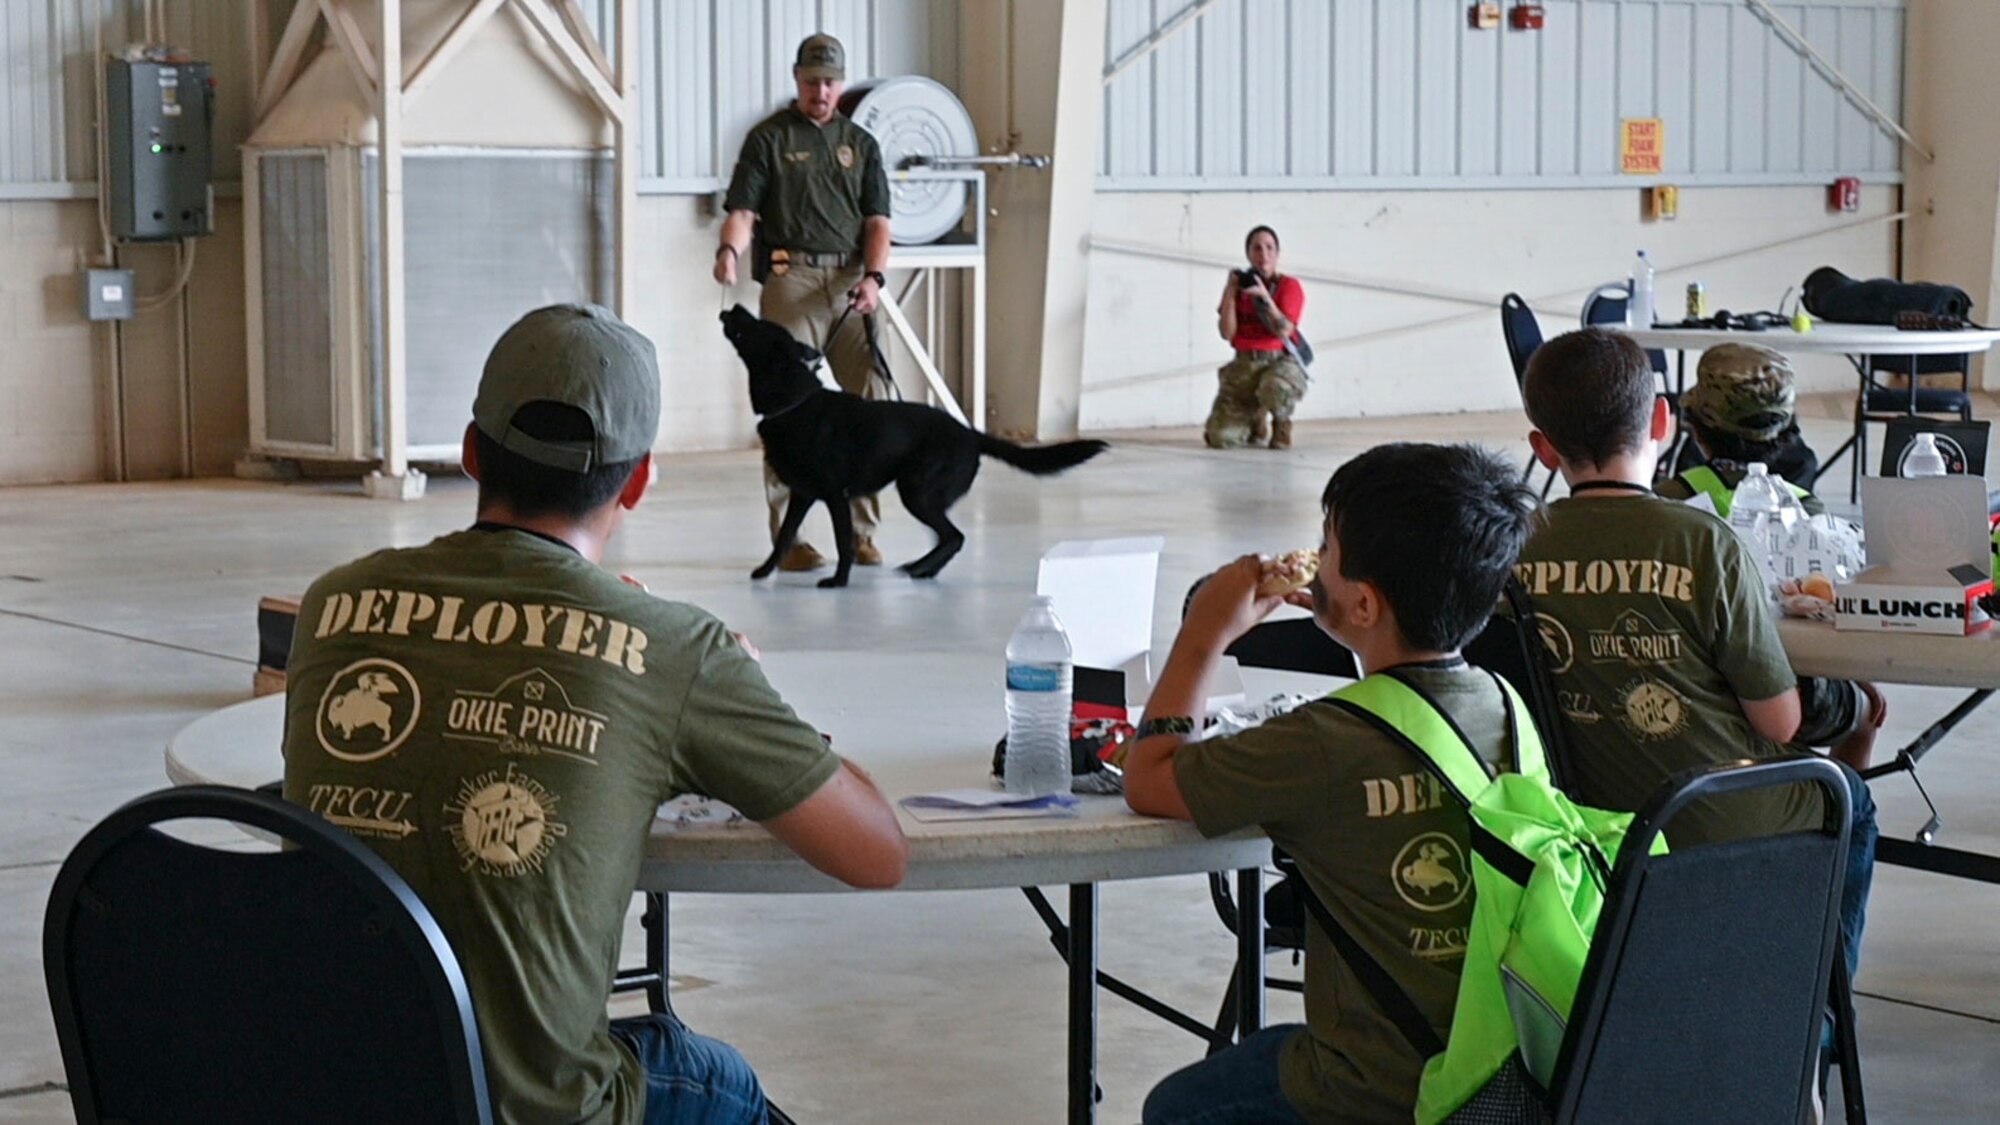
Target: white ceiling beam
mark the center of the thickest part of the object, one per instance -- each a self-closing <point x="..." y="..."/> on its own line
<point x="581" y="68"/>
<point x="285" y="60"/>
<point x="353" y="46"/>
<point x="454" y="41"/>
<point x="572" y="17"/>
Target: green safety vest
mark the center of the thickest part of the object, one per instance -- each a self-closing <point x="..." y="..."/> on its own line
<point x="1707" y="482"/>
<point x="1540" y="867"/>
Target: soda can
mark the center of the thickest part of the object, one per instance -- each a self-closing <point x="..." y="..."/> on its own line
<point x="1697" y="301"/>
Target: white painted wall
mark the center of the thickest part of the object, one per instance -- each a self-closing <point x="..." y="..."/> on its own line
<point x="1151" y="349"/>
<point x="55" y="389"/>
<point x="1954" y="233"/>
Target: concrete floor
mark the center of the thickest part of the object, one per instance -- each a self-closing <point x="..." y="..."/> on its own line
<point x="126" y="611"/>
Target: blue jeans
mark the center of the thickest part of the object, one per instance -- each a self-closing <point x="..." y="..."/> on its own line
<point x="691" y="1079"/>
<point x="1861" y="835"/>
<point x="1238" y="1086"/>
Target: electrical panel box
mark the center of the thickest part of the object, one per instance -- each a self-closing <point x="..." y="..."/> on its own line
<point x="158" y="118"/>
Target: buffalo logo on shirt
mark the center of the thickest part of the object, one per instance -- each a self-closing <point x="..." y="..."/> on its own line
<point x="368" y="709"/>
<point x="1430" y="872"/>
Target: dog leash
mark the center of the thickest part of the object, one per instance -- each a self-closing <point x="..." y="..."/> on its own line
<point x="880" y="361"/>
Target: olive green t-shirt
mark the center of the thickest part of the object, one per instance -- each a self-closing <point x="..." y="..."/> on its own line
<point x="1659" y="627"/>
<point x="1385" y="847"/>
<point x="500" y="718"/>
<point x="810" y="185"/>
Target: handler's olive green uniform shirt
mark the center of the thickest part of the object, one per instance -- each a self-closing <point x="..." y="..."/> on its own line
<point x="810" y="185"/>
<point x="1387" y="849"/>
<point x="500" y="719"/>
<point x="1659" y="626"/>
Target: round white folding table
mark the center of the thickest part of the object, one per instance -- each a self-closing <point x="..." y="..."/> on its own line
<point x="1826" y="337"/>
<point x="919" y="723"/>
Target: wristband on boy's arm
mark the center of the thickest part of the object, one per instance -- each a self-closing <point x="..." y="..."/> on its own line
<point x="1165" y="724"/>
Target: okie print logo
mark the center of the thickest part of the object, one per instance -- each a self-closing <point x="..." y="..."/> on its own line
<point x="503" y="823"/>
<point x="368" y="710"/>
<point x="530" y="713"/>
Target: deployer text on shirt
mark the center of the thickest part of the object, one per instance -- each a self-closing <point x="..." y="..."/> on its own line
<point x="444" y="618"/>
<point x="1607" y="576"/>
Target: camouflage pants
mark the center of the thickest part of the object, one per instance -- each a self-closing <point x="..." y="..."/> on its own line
<point x="1251" y="384"/>
<point x="807" y="300"/>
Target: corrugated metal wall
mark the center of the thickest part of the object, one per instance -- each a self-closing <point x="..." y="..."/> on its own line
<point x="708" y="71"/>
<point x="46" y="85"/>
<point x="1404" y="93"/>
<point x="711" y="69"/>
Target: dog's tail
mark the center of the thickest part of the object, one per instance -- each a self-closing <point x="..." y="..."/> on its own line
<point x="1041" y="460"/>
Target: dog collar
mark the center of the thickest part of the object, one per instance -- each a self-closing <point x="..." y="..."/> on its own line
<point x="793" y="405"/>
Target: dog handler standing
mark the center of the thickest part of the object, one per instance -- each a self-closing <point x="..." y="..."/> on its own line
<point x="814" y="180"/>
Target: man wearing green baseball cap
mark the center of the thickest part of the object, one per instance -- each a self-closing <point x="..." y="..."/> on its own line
<point x="811" y="184"/>
<point x="500" y="718"/>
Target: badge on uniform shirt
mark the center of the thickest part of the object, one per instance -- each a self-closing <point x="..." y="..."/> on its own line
<point x="845" y="154"/>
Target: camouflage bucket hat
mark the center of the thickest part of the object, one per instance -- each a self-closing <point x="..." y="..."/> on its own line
<point x="1743" y="389"/>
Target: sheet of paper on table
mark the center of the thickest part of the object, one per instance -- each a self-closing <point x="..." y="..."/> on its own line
<point x="986" y="804"/>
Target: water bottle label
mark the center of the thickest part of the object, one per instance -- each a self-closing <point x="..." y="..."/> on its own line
<point x="1034" y="677"/>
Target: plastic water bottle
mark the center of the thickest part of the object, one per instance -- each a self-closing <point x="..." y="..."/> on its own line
<point x="1039" y="676"/>
<point x="1924" y="458"/>
<point x="1765" y="513"/>
<point x="1639" y="299"/>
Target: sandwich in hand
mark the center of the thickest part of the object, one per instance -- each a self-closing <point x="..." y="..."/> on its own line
<point x="1288" y="573"/>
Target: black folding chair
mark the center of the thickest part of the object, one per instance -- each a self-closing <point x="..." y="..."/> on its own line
<point x="192" y="983"/>
<point x="1523" y="334"/>
<point x="1875" y="402"/>
<point x="1606" y="305"/>
<point x="1707" y="985"/>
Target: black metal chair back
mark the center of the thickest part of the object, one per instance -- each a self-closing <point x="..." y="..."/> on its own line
<point x="1879" y="402"/>
<point x="193" y="983"/>
<point x="1705" y="992"/>
<point x="1522" y="331"/>
<point x="1606" y="305"/>
<point x="1523" y="334"/>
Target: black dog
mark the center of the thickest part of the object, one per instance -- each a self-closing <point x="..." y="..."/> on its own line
<point x="830" y="446"/>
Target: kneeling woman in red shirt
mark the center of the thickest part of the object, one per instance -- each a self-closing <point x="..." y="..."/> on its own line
<point x="1259" y="315"/>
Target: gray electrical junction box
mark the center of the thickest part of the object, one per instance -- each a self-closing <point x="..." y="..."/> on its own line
<point x="157" y="119"/>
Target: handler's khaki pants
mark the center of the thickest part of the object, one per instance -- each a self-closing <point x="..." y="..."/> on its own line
<point x="806" y="300"/>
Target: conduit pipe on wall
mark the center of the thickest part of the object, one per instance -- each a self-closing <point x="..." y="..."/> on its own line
<point x="1558" y="304"/>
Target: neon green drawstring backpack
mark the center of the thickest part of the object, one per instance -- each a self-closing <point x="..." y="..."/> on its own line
<point x="1539" y="870"/>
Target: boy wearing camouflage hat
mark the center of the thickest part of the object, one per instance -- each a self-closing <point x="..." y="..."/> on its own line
<point x="1743" y="408"/>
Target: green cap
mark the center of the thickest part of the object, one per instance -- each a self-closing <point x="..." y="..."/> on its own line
<point x="581" y="356"/>
<point x="1743" y="389"/>
<point x="821" y="56"/>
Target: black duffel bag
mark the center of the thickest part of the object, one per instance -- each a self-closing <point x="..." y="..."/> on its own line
<point x="1832" y="295"/>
